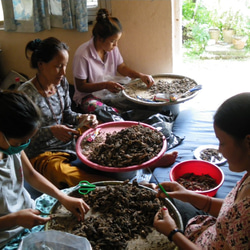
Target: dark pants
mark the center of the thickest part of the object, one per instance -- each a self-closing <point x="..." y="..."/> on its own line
<point x="187" y="211"/>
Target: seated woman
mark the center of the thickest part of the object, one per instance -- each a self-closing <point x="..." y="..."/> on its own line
<point x="20" y="121"/>
<point x="52" y="149"/>
<point x="213" y="223"/>
<point x="96" y="62"/>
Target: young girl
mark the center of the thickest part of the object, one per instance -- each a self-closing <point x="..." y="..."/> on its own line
<point x="226" y="223"/>
<point x="98" y="59"/>
<point x="20" y="120"/>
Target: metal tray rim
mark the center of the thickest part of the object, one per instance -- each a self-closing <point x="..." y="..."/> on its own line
<point x="160" y="104"/>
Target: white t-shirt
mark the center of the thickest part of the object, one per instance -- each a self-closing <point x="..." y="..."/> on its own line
<point x="13" y="195"/>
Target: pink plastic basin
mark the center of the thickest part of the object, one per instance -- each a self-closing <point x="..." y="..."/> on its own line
<point x="110" y="127"/>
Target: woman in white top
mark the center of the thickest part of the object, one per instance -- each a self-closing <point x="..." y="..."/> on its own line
<point x="20" y="120"/>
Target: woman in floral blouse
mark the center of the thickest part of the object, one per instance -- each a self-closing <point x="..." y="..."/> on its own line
<point x="222" y="224"/>
<point x="52" y="149"/>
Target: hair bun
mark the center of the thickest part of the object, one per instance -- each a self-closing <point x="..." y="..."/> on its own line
<point x="102" y="15"/>
<point x="35" y="43"/>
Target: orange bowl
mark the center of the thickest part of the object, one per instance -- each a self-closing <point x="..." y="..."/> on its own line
<point x="199" y="167"/>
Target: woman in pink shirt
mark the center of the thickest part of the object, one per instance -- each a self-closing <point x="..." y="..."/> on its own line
<point x="97" y="61"/>
<point x="223" y="224"/>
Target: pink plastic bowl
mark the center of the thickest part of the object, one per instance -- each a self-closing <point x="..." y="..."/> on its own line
<point x="198" y="167"/>
<point x="110" y="127"/>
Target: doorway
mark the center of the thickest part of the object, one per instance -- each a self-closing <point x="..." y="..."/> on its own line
<point x="220" y="75"/>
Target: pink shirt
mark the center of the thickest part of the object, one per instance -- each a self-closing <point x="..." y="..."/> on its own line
<point x="232" y="225"/>
<point x="88" y="65"/>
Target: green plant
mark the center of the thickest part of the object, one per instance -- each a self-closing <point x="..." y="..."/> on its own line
<point x="200" y="34"/>
<point x="197" y="38"/>
<point x="195" y="13"/>
<point x="202" y="15"/>
<point x="227" y="20"/>
<point x="196" y="21"/>
<point x="233" y="19"/>
<point x="214" y="19"/>
<point x="242" y="27"/>
<point x="188" y="7"/>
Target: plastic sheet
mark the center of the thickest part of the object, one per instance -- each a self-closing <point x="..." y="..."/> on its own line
<point x="54" y="240"/>
<point x="162" y="122"/>
<point x="107" y="114"/>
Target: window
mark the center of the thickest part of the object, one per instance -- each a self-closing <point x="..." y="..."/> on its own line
<point x="94" y="5"/>
<point x="1" y="12"/>
<point x="23" y="9"/>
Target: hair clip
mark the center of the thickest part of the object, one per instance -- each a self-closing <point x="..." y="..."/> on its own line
<point x="36" y="43"/>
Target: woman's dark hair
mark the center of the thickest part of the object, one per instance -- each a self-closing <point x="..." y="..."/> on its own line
<point x="106" y="25"/>
<point x="19" y="115"/>
<point x="233" y="116"/>
<point x="44" y="50"/>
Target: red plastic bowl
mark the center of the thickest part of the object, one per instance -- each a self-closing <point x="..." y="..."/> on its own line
<point x="111" y="127"/>
<point x="199" y="167"/>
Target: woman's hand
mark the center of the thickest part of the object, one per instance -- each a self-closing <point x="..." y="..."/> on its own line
<point x="29" y="218"/>
<point x="89" y="121"/>
<point x="75" y="205"/>
<point x="174" y="190"/>
<point x="113" y="87"/>
<point x="63" y="132"/>
<point x="148" y="79"/>
<point x="163" y="222"/>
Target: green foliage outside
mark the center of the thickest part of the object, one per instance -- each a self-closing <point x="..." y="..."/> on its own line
<point x="198" y="19"/>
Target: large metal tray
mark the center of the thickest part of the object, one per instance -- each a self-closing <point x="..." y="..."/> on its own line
<point x="170" y="78"/>
<point x="156" y="239"/>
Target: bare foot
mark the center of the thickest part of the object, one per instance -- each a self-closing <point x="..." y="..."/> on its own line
<point x="149" y="185"/>
<point x="166" y="160"/>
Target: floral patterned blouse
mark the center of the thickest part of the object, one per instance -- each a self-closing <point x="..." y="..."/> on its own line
<point x="232" y="225"/>
<point x="60" y="103"/>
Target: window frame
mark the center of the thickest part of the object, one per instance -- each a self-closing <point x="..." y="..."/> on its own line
<point x="56" y="21"/>
<point x="93" y="11"/>
<point x="1" y="21"/>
